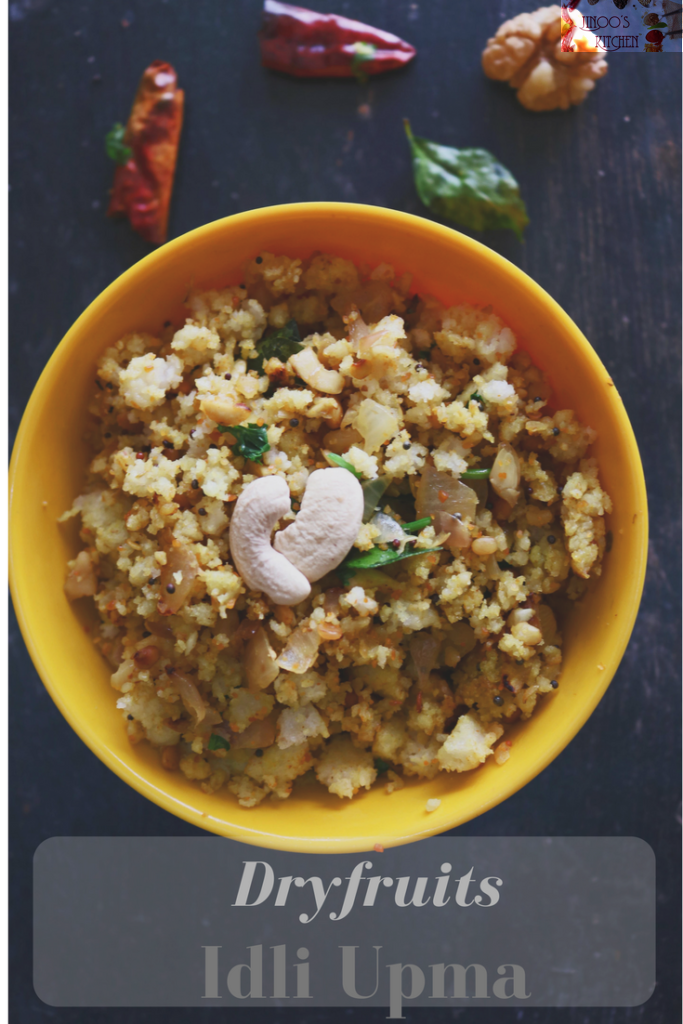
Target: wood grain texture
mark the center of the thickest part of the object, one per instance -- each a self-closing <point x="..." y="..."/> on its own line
<point x="602" y="183"/>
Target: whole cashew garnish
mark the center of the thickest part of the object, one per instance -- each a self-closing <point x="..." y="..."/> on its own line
<point x="258" y="508"/>
<point x="327" y="525"/>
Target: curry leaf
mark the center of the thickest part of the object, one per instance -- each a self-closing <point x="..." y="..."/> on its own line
<point x="374" y="559"/>
<point x="381" y="766"/>
<point x="217" y="742"/>
<point x="281" y="344"/>
<point x="468" y="186"/>
<point x="251" y="440"/>
<point x="418" y="525"/>
<point x="342" y="463"/>
<point x="475" y="474"/>
<point x="116" y="148"/>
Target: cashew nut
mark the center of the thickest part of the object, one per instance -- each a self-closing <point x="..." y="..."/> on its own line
<point x="307" y="365"/>
<point x="327" y="525"/>
<point x="224" y="410"/>
<point x="258" y="508"/>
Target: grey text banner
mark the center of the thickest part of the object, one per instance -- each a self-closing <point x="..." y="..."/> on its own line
<point x="445" y="922"/>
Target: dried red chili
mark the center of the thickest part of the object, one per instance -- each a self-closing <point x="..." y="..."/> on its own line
<point x="143" y="184"/>
<point x="312" y="45"/>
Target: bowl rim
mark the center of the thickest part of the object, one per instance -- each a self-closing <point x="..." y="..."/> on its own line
<point x="326" y="844"/>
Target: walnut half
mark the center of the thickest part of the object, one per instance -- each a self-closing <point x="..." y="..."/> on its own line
<point x="526" y="51"/>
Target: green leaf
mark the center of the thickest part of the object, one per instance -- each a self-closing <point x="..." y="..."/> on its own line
<point x="345" y="574"/>
<point x="280" y="344"/>
<point x="251" y="440"/>
<point x="116" y="148"/>
<point x="418" y="525"/>
<point x="342" y="463"/>
<point x="468" y="186"/>
<point x="377" y="557"/>
<point x="476" y="397"/>
<point x="475" y="474"/>
<point x="217" y="742"/>
<point x="381" y="766"/>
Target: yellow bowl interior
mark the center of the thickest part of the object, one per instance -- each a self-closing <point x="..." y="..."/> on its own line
<point x="48" y="468"/>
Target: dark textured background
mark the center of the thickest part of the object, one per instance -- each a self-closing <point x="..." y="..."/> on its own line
<point x="603" y="186"/>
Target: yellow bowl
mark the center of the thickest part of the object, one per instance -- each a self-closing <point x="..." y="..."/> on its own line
<point x="48" y="467"/>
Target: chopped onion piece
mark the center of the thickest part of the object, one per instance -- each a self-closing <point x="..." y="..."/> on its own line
<point x="376" y="423"/>
<point x="115" y="654"/>
<point x="373" y="491"/>
<point x="459" y="537"/>
<point x="260" y="666"/>
<point x="230" y="624"/>
<point x="506" y="474"/>
<point x="331" y="603"/>
<point x="225" y="731"/>
<point x="258" y="734"/>
<point x="441" y="492"/>
<point x="329" y="631"/>
<point x="389" y="530"/>
<point x="548" y="623"/>
<point x="462" y="637"/>
<point x="161" y="629"/>
<point x="376" y="337"/>
<point x="357" y="327"/>
<point x="82" y="580"/>
<point x="211" y="718"/>
<point x="179" y="559"/>
<point x="302" y="649"/>
<point x="339" y="441"/>
<point x="424" y="650"/>
<point x="190" y="695"/>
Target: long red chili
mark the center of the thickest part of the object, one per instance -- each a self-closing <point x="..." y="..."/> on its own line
<point x="312" y="45"/>
<point x="143" y="185"/>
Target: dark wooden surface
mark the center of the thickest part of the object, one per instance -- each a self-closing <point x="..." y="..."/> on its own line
<point x="602" y="183"/>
